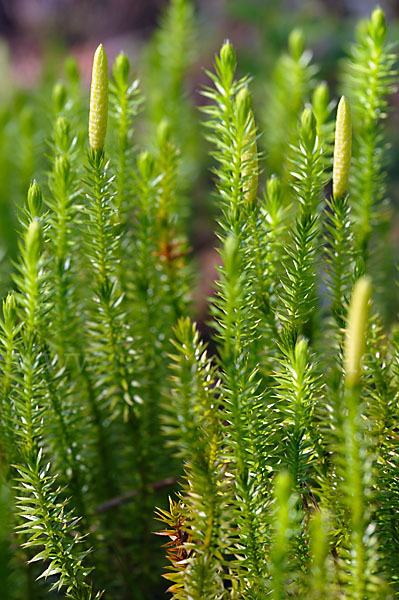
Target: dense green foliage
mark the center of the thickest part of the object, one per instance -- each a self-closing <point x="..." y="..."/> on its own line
<point x="278" y="448"/>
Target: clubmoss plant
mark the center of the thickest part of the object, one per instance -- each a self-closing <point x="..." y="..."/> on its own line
<point x="282" y="418"/>
<point x="354" y="464"/>
<point x="292" y="86"/>
<point x="368" y="97"/>
<point x="269" y="451"/>
<point x="322" y="108"/>
<point x="341" y="252"/>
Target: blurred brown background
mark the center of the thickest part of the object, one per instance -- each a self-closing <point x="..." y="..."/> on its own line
<point x="29" y="26"/>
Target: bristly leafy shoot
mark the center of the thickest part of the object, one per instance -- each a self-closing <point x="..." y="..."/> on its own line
<point x="369" y="77"/>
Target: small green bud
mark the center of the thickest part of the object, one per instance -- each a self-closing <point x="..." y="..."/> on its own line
<point x="121" y="68"/>
<point x="145" y="163"/>
<point x="10" y="310"/>
<point x="228" y="56"/>
<point x="296" y="43"/>
<point x="98" y="116"/>
<point x="34" y="199"/>
<point x="72" y="69"/>
<point x="355" y="339"/>
<point x="61" y="133"/>
<point x="62" y="167"/>
<point x="378" y="27"/>
<point x="301" y="354"/>
<point x="33" y="240"/>
<point x="308" y="129"/>
<point x="273" y="187"/>
<point x="164" y="131"/>
<point x="361" y="30"/>
<point x="59" y="96"/>
<point x="243" y="105"/>
<point x="342" y="149"/>
<point x="320" y="101"/>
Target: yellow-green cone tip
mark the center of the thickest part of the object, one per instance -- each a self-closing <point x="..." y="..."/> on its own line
<point x="355" y="339"/>
<point x="98" y="116"/>
<point x="342" y="149"/>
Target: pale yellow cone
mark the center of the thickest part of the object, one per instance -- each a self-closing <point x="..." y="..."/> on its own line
<point x="355" y="339"/>
<point x="98" y="116"/>
<point x="342" y="149"/>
